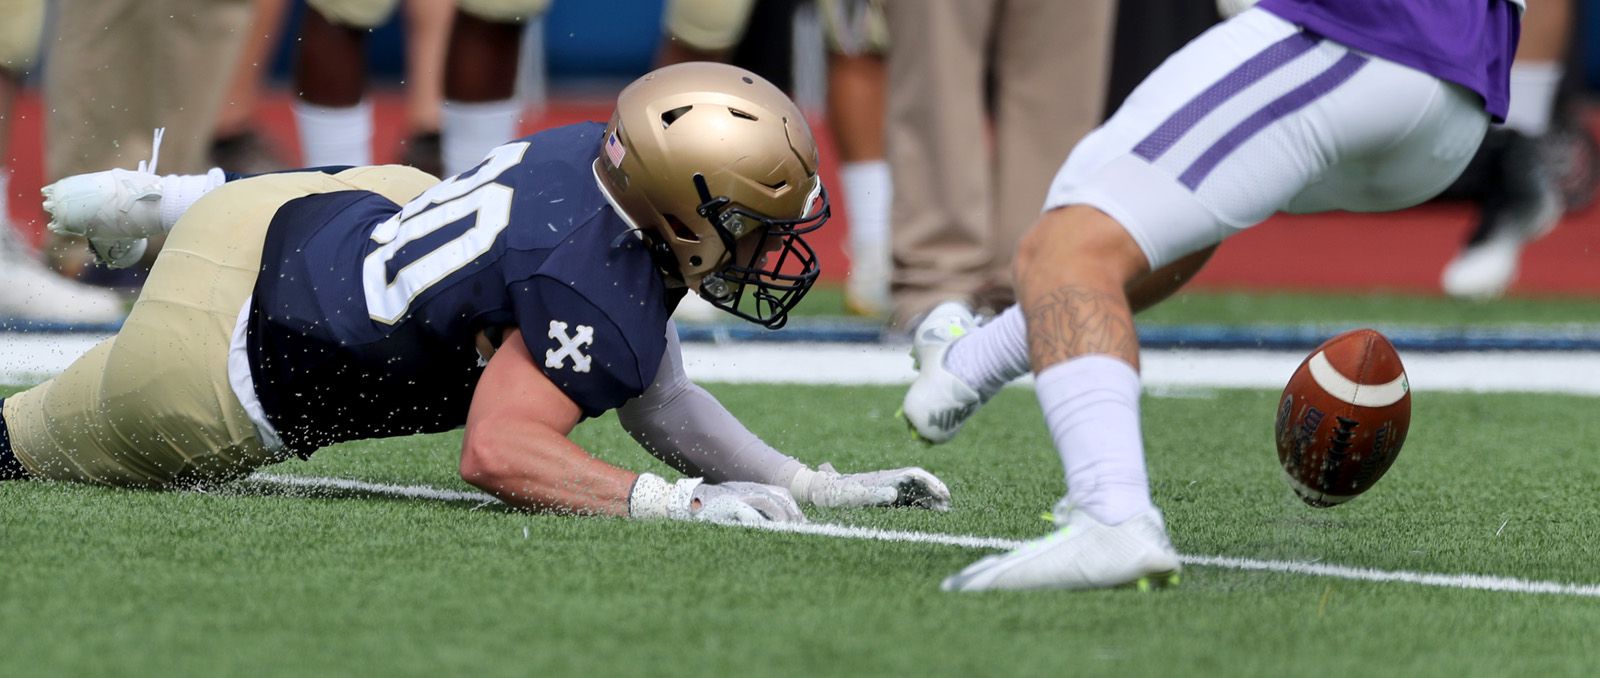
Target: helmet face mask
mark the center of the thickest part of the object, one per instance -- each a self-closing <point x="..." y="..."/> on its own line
<point x="718" y="170"/>
<point x="771" y="266"/>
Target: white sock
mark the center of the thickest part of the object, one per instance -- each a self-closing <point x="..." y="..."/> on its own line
<point x="867" y="192"/>
<point x="992" y="356"/>
<point x="469" y="131"/>
<point x="1091" y="405"/>
<point x="179" y="192"/>
<point x="331" y="135"/>
<point x="1533" y="96"/>
<point x="866" y="202"/>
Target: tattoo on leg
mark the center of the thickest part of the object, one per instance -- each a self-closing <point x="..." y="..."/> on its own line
<point x="1076" y="320"/>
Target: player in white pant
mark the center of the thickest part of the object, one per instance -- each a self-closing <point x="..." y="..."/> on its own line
<point x="1298" y="106"/>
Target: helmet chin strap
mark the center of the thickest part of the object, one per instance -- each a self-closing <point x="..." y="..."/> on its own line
<point x="665" y="260"/>
<point x="660" y="253"/>
<point x="711" y="208"/>
<point x="712" y="286"/>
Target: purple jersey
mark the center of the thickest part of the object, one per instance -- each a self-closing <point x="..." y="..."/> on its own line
<point x="1467" y="42"/>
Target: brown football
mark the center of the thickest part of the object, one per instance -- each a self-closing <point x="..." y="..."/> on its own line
<point x="1343" y="417"/>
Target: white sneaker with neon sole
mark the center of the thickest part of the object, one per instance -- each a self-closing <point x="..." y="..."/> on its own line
<point x="1082" y="554"/>
<point x="938" y="402"/>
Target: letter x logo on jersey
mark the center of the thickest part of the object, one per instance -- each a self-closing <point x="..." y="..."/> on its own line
<point x="571" y="347"/>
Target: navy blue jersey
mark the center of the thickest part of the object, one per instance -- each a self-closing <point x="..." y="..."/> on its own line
<point x="364" y="318"/>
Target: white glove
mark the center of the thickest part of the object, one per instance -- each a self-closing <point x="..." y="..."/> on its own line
<point x="693" y="499"/>
<point x="912" y="487"/>
<point x="737" y="502"/>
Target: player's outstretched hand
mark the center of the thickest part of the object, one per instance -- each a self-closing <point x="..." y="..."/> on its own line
<point x="912" y="487"/>
<point x="694" y="499"/>
<point x="738" y="502"/>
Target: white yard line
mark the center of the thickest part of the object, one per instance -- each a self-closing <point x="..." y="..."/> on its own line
<point x="29" y="358"/>
<point x="1451" y="581"/>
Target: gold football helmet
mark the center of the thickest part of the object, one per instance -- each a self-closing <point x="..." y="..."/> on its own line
<point x="718" y="170"/>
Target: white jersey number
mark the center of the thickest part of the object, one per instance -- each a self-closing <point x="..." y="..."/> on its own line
<point x="459" y="197"/>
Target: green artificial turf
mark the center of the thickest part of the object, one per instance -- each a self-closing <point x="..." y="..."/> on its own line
<point x="257" y="579"/>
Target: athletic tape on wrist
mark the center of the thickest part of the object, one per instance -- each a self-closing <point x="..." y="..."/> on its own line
<point x="653" y="497"/>
<point x="800" y="484"/>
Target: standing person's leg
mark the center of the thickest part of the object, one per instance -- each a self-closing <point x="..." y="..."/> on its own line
<point x="1253" y="117"/>
<point x="192" y="49"/>
<point x="858" y="84"/>
<point x="1052" y="64"/>
<point x="331" y="112"/>
<point x="428" y="25"/>
<point x="94" y="54"/>
<point x="236" y="144"/>
<point x="29" y="290"/>
<point x="19" y="45"/>
<point x="119" y="69"/>
<point x="481" y="109"/>
<point x="938" y="152"/>
<point x="1520" y="195"/>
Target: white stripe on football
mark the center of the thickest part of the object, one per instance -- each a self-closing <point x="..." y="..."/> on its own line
<point x="1360" y="395"/>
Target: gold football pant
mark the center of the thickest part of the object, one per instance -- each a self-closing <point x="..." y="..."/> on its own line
<point x="152" y="406"/>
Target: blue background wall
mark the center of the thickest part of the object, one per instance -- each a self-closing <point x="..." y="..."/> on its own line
<point x="583" y="39"/>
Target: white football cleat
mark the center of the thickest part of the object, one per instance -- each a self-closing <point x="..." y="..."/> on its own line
<point x="938" y="402"/>
<point x="30" y="291"/>
<point x="115" y="210"/>
<point x="1082" y="554"/>
<point x="115" y="204"/>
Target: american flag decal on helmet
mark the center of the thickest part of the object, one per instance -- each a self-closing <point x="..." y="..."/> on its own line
<point x="614" y="150"/>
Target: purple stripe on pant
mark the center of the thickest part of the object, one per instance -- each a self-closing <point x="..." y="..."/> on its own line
<point x="1246" y="74"/>
<point x="1296" y="99"/>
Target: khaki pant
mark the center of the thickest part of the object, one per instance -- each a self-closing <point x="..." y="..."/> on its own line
<point x="120" y="68"/>
<point x="374" y="13"/>
<point x="718" y="25"/>
<point x="152" y="406"/>
<point x="21" y="22"/>
<point x="964" y="197"/>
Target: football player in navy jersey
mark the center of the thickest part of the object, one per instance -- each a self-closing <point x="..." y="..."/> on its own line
<point x="292" y="311"/>
<point x="1292" y="105"/>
